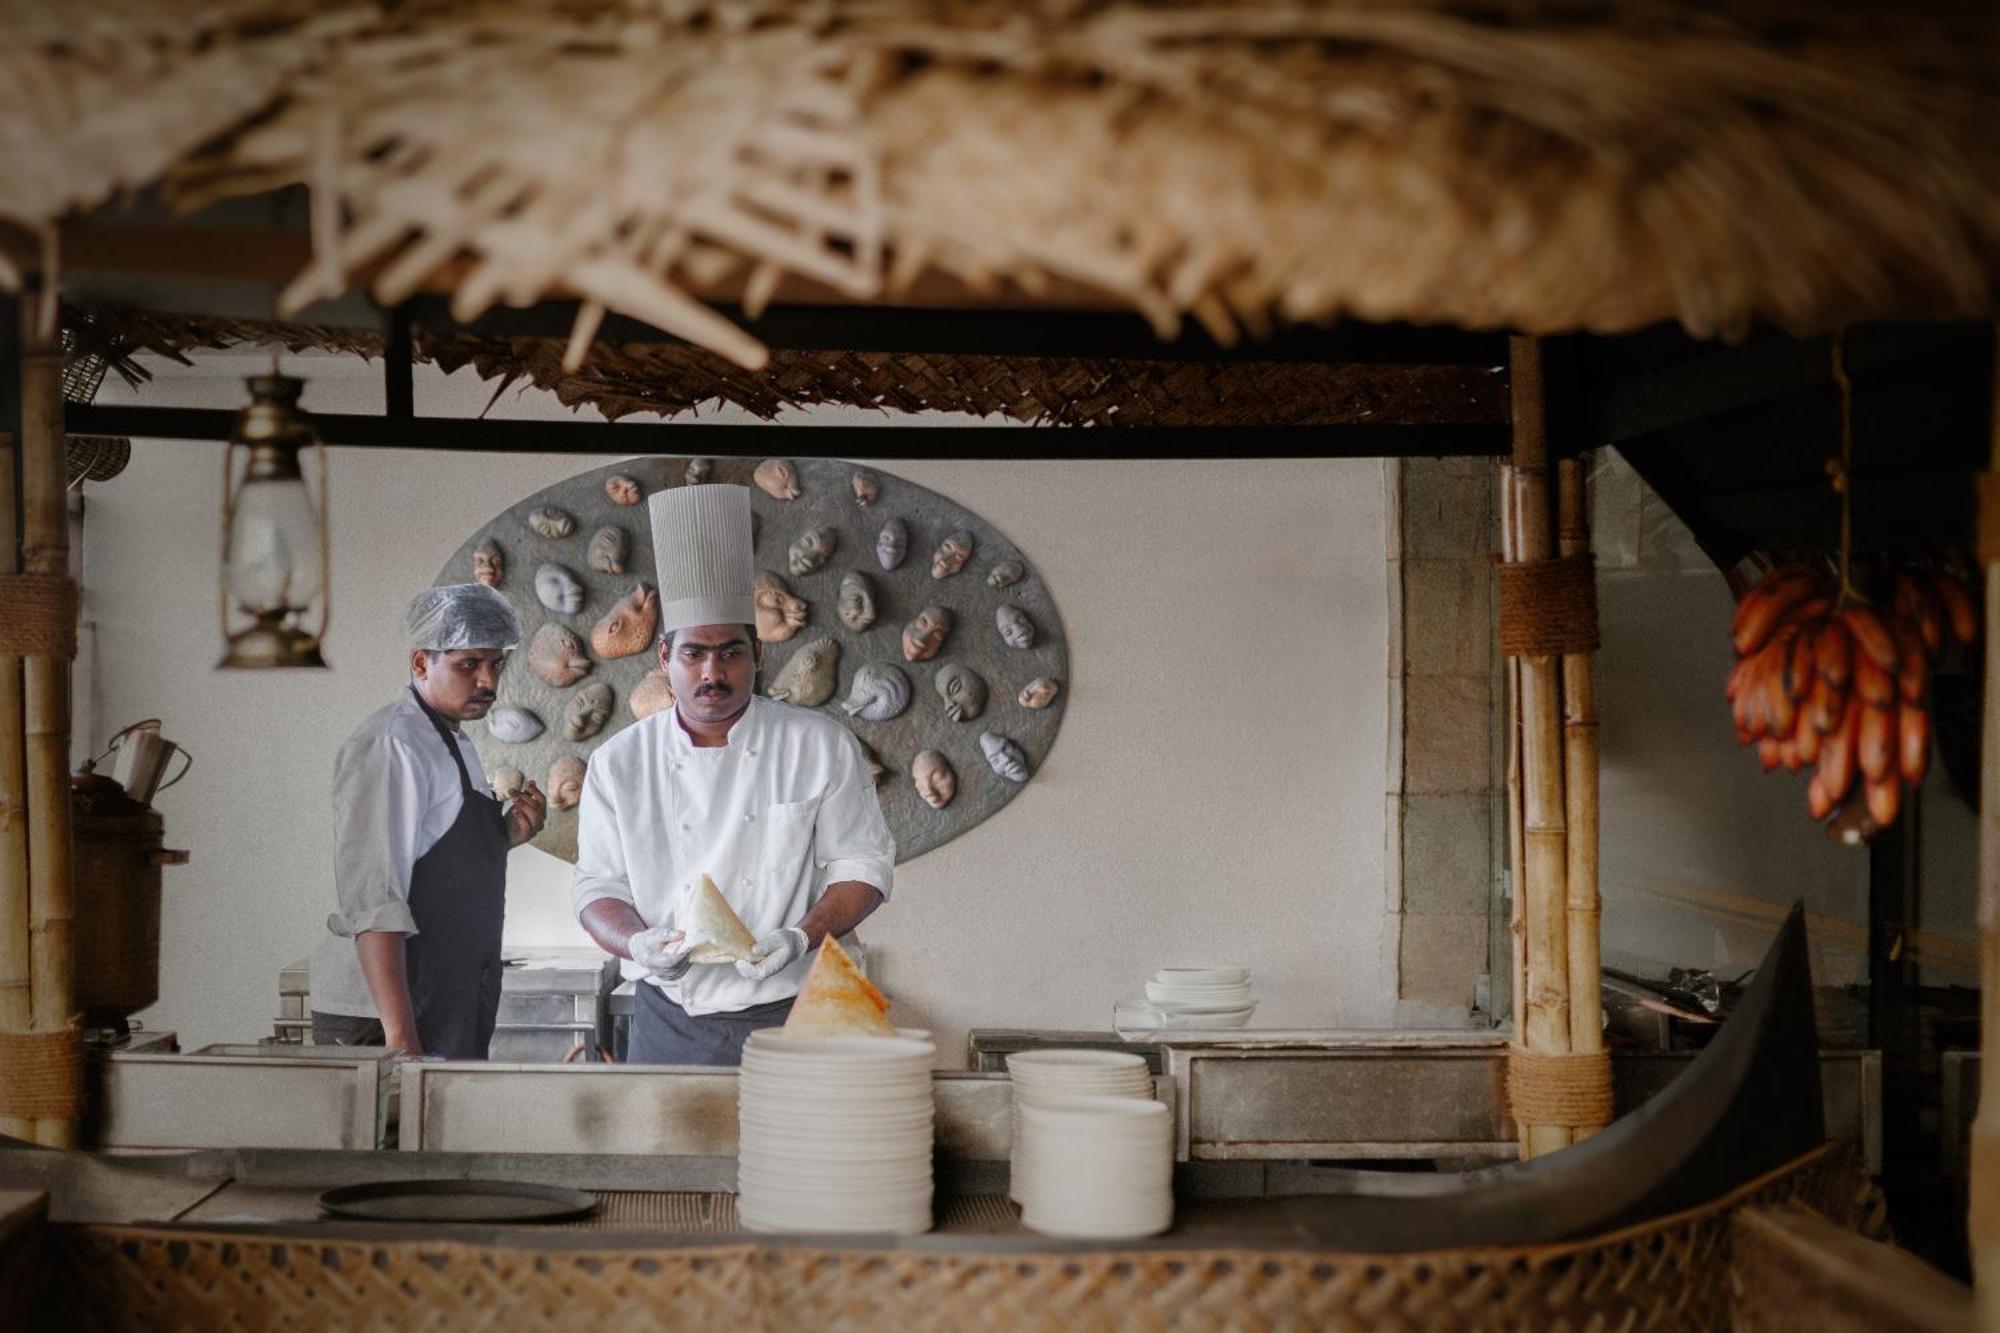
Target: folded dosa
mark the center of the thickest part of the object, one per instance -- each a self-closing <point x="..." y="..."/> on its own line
<point x="837" y="1001"/>
<point x="719" y="934"/>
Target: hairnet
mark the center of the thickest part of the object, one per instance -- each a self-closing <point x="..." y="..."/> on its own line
<point x="462" y="615"/>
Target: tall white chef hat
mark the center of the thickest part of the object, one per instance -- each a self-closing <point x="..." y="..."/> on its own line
<point x="702" y="551"/>
<point x="454" y="616"/>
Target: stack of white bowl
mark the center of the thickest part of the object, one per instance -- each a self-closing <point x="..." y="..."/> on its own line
<point x="1102" y="1167"/>
<point x="834" y="1134"/>
<point x="1207" y="997"/>
<point x="1041" y="1161"/>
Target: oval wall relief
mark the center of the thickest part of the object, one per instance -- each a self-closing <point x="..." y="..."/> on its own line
<point x="882" y="604"/>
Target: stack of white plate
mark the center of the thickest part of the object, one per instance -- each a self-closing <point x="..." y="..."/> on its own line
<point x="1045" y="1076"/>
<point x="834" y="1134"/>
<point x="1102" y="1167"/>
<point x="1204" y="996"/>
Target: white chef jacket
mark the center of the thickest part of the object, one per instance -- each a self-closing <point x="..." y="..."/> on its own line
<point x="773" y="817"/>
<point x="395" y="794"/>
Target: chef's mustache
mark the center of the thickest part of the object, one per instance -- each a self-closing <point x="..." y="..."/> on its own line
<point x="706" y="691"/>
<point x="484" y="698"/>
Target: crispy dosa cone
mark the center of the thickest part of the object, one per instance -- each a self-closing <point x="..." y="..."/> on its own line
<point x="837" y="1001"/>
<point x="719" y="934"/>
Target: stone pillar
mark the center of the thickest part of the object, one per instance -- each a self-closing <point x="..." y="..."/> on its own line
<point x="1444" y="710"/>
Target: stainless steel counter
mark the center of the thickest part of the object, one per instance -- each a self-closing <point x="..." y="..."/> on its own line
<point x="552" y="1001"/>
<point x="1388" y="1094"/>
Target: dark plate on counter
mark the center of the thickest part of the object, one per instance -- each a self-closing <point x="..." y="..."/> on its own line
<point x="456" y="1201"/>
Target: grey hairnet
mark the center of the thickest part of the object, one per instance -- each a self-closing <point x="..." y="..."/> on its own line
<point x="453" y="616"/>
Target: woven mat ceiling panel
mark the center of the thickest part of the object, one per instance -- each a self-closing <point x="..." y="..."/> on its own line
<point x="1538" y="166"/>
<point x="620" y="379"/>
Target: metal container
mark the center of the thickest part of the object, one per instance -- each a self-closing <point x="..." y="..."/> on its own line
<point x="117" y="860"/>
<point x="332" y="1097"/>
<point x="553" y="1005"/>
<point x="293" y="1024"/>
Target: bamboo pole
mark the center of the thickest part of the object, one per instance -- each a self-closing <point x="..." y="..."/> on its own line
<point x="1983" y="1225"/>
<point x="45" y="550"/>
<point x="15" y="1013"/>
<point x="1517" y="926"/>
<point x="1586" y="975"/>
<point x="1545" y="905"/>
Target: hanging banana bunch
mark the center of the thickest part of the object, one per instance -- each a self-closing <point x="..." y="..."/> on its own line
<point x="1828" y="680"/>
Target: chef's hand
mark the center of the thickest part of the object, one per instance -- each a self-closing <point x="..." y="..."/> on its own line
<point x="662" y="951"/>
<point x="527" y="815"/>
<point x="774" y="953"/>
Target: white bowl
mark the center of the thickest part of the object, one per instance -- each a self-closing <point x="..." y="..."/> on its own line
<point x="1062" y="1060"/>
<point x="1157" y="991"/>
<point x="1213" y="976"/>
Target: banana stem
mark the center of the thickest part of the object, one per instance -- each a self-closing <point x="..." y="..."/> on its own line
<point x="1843" y="475"/>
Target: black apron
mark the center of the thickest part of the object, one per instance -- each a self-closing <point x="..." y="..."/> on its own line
<point x="663" y="1033"/>
<point x="458" y="895"/>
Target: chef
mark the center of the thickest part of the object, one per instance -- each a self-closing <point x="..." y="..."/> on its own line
<point x="772" y="802"/>
<point x="420" y="847"/>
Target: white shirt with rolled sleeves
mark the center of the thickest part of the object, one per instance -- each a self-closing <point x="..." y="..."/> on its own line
<point x="395" y="793"/>
<point x="773" y="817"/>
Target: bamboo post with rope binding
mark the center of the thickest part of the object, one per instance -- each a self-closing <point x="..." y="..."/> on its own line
<point x="1543" y="1026"/>
<point x="1983" y="1224"/>
<point x="1586" y="998"/>
<point x="1548" y="614"/>
<point x="41" y="1067"/>
<point x="15" y="991"/>
<point x="1517" y="927"/>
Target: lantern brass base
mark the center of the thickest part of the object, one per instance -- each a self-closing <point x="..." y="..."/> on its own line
<point x="269" y="644"/>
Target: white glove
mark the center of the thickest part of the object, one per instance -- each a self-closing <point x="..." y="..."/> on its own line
<point x="774" y="953"/>
<point x="662" y="951"/>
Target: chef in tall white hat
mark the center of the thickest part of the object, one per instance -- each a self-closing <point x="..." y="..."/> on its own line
<point x="771" y="803"/>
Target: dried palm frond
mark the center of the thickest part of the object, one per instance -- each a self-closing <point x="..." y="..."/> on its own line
<point x="1540" y="166"/>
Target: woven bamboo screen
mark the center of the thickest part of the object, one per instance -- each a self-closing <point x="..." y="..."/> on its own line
<point x="1670" y="1275"/>
<point x="1528" y="164"/>
<point x="619" y="379"/>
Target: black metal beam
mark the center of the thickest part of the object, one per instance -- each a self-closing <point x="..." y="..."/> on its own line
<point x="399" y="359"/>
<point x="1895" y="1013"/>
<point x="1004" y="333"/>
<point x="10" y="397"/>
<point x="750" y="441"/>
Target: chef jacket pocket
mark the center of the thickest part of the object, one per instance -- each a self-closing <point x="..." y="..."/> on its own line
<point x="787" y="840"/>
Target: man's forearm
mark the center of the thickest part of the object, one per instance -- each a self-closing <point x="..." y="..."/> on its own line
<point x="384" y="966"/>
<point x="611" y="922"/>
<point x="841" y="908"/>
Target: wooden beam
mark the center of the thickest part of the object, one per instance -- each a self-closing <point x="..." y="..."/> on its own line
<point x="462" y="434"/>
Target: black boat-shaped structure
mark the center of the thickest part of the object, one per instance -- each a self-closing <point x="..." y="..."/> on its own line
<point x="1746" y="1105"/>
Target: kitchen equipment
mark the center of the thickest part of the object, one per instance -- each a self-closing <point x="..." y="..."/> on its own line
<point x="140" y="757"/>
<point x="117" y="857"/>
<point x="457" y="1201"/>
<point x="247" y="1096"/>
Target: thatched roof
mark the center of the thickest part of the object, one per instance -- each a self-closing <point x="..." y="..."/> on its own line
<point x="619" y="379"/>
<point x="1489" y="163"/>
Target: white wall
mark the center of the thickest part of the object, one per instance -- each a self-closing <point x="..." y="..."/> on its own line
<point x="1215" y="794"/>
<point x="1700" y="847"/>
